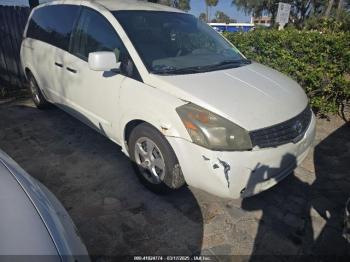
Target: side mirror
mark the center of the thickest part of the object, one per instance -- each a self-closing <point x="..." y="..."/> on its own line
<point x="103" y="61"/>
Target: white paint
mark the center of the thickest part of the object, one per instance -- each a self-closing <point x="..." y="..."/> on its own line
<point x="283" y="12"/>
<point x="103" y="61"/>
<point x="253" y="96"/>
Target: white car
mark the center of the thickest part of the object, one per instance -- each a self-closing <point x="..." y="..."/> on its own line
<point x="183" y="103"/>
<point x="34" y="226"/>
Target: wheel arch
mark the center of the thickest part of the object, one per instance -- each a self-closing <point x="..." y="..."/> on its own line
<point x="163" y="126"/>
<point x="175" y="178"/>
<point x="131" y="126"/>
<point x="28" y="70"/>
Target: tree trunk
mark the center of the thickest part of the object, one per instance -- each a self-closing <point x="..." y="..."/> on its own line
<point x="273" y="11"/>
<point x="329" y="8"/>
<point x="207" y="10"/>
<point x="340" y="7"/>
<point x="33" y="3"/>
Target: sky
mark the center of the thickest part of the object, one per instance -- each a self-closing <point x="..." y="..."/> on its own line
<point x="197" y="7"/>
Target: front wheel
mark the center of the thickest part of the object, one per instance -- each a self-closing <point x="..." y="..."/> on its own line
<point x="154" y="161"/>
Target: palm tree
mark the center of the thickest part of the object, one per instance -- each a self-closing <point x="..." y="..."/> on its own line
<point x="329" y="8"/>
<point x="340" y="7"/>
<point x="210" y="4"/>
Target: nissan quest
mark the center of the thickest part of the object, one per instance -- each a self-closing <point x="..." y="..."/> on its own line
<point x="183" y="103"/>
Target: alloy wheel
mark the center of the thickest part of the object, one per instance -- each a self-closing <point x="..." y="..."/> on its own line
<point x="150" y="160"/>
<point x="34" y="90"/>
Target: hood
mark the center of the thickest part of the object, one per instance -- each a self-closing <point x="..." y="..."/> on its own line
<point x="253" y="96"/>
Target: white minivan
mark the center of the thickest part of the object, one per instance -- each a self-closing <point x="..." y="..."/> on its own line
<point x="183" y="103"/>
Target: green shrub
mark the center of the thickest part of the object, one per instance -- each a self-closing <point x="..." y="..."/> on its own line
<point x="319" y="62"/>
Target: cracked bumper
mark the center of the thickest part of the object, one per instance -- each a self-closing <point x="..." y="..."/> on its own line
<point x="250" y="172"/>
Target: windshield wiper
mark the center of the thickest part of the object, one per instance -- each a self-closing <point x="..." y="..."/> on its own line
<point x="201" y="69"/>
<point x="232" y="62"/>
<point x="226" y="64"/>
<point x="175" y="71"/>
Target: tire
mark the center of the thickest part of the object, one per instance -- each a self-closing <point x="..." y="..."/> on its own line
<point x="147" y="166"/>
<point x="36" y="94"/>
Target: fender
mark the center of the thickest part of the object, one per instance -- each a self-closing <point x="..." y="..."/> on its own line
<point x="141" y="101"/>
<point x="161" y="122"/>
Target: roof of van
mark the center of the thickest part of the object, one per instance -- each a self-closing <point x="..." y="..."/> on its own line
<point x="118" y="5"/>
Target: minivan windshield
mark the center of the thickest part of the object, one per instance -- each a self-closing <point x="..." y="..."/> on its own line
<point x="177" y="43"/>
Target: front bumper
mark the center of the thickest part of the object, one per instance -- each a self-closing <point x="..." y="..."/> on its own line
<point x="240" y="174"/>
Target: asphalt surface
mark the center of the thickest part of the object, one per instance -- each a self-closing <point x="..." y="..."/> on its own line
<point x="116" y="215"/>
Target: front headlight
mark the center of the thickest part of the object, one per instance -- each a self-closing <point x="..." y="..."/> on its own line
<point x="212" y="131"/>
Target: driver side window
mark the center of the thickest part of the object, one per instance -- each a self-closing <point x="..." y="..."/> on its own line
<point x="93" y="34"/>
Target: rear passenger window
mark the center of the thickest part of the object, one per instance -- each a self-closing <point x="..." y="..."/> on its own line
<point x="53" y="24"/>
<point x="94" y="33"/>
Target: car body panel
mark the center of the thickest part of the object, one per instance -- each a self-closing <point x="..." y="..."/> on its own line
<point x="41" y="66"/>
<point x="252" y="96"/>
<point x="34" y="218"/>
<point x="116" y="5"/>
<point x="84" y="91"/>
<point x="143" y="102"/>
<point x="251" y="171"/>
<point x="19" y="221"/>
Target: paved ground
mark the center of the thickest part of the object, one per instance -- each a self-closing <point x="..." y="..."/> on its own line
<point x="117" y="216"/>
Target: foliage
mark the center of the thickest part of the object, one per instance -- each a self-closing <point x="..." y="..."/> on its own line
<point x="319" y="62"/>
<point x="300" y="11"/>
<point x="210" y="4"/>
<point x="258" y="7"/>
<point x="203" y="17"/>
<point x="183" y="4"/>
<point x="324" y="24"/>
<point x="344" y="19"/>
<point x="221" y="17"/>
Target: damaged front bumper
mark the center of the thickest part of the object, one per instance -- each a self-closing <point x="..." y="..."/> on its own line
<point x="240" y="174"/>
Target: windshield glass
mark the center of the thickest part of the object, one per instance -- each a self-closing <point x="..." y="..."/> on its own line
<point x="177" y="43"/>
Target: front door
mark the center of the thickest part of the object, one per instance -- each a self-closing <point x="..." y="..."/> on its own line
<point x="93" y="96"/>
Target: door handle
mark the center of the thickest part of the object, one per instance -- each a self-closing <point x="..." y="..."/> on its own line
<point x="58" y="64"/>
<point x="72" y="70"/>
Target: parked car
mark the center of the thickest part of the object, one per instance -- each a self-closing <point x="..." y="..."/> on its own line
<point x="33" y="223"/>
<point x="183" y="103"/>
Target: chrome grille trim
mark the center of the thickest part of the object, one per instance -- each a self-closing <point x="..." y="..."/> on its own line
<point x="290" y="131"/>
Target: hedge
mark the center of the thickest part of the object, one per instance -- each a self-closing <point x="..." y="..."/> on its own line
<point x="319" y="62"/>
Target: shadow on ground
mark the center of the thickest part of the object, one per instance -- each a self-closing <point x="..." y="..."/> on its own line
<point x="304" y="216"/>
<point x="114" y="214"/>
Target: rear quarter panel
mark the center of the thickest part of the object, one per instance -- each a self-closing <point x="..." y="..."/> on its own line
<point x="38" y="58"/>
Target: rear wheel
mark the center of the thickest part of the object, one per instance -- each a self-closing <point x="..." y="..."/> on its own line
<point x="154" y="160"/>
<point x="37" y="96"/>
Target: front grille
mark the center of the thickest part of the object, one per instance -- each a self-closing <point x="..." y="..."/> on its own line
<point x="289" y="131"/>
